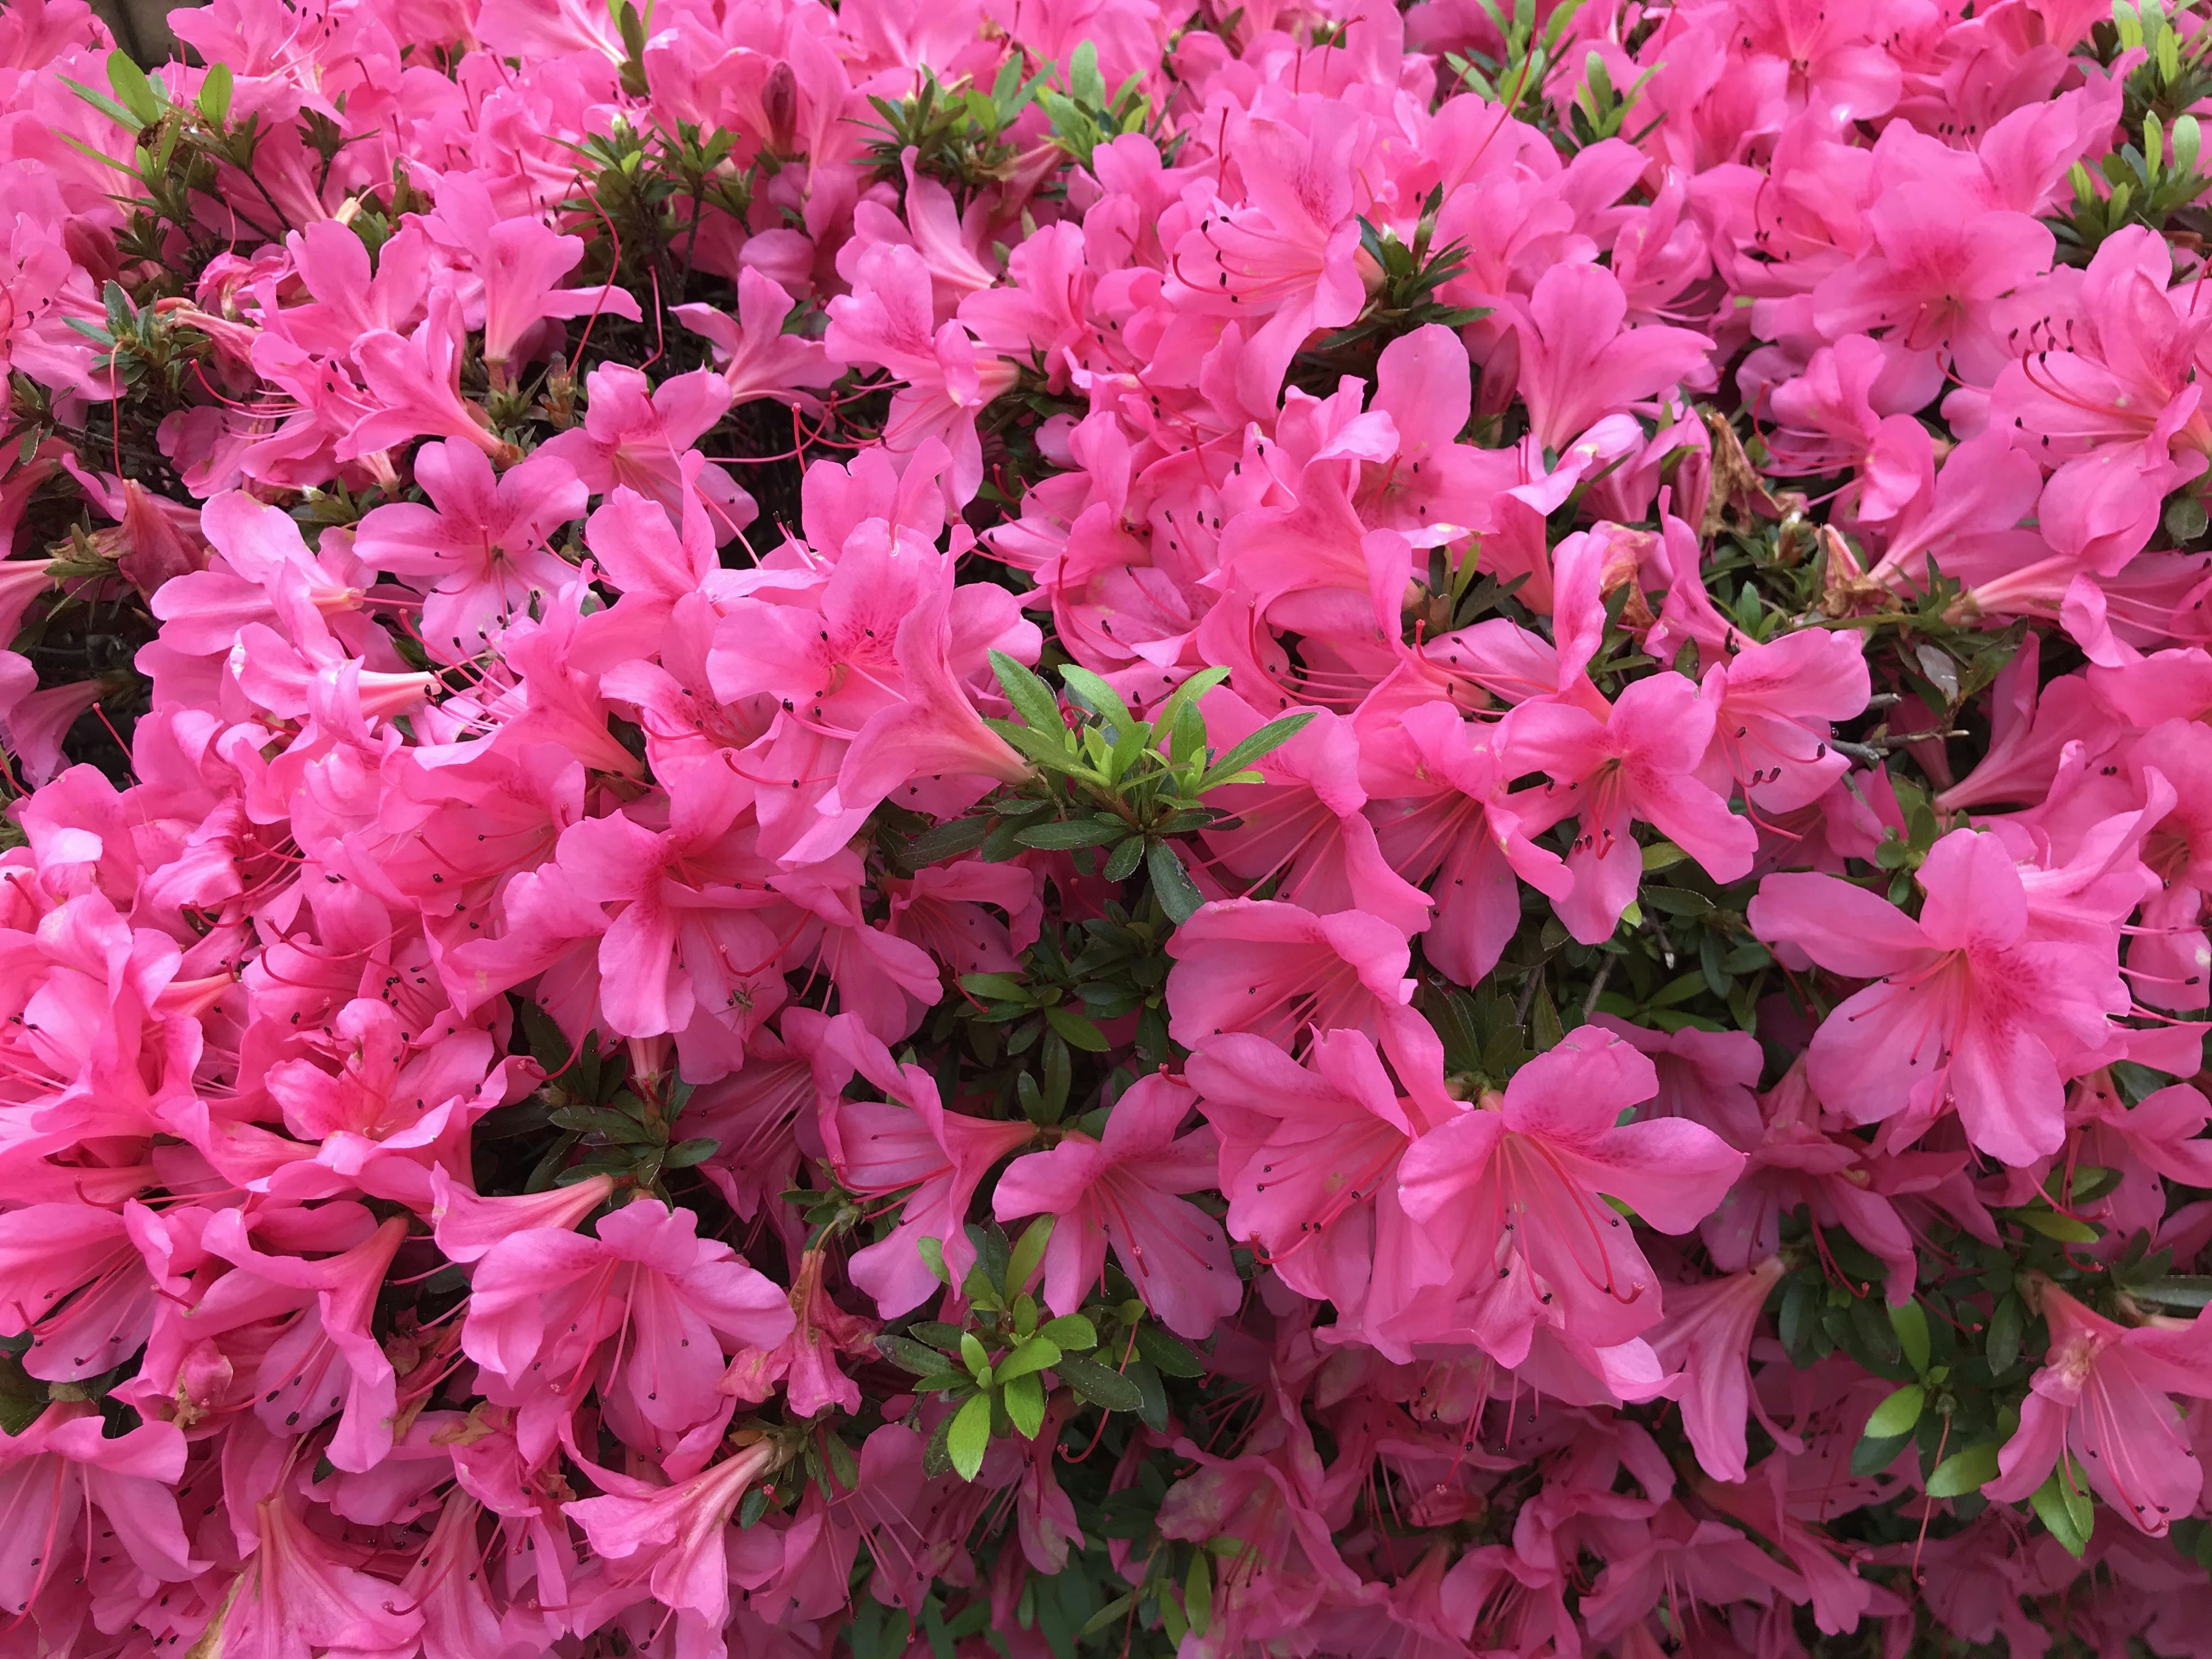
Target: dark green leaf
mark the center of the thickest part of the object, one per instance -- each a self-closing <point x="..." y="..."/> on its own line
<point x="1171" y="884"/>
<point x="909" y="1355"/>
<point x="1871" y="1456"/>
<point x="945" y="841"/>
<point x="1099" y="1384"/>
<point x="1075" y="1031"/>
<point x="685" y="1153"/>
<point x="2008" y="1324"/>
<point x="1265" y="741"/>
<point x="1125" y="859"/>
<point x="1170" y="1355"/>
<point x="970" y="1437"/>
<point x="1063" y="835"/>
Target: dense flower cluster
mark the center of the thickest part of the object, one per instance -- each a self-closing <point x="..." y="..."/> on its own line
<point x="1105" y="826"/>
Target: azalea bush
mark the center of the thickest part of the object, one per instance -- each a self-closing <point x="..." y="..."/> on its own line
<point x="1106" y="827"/>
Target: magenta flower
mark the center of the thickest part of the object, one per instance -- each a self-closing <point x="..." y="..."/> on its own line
<point x="647" y="1305"/>
<point x="1971" y="1008"/>
<point x="2102" y="1397"/>
<point x="1122" y="1190"/>
<point x="1280" y="971"/>
<point x="907" y="1143"/>
<point x="1510" y="1231"/>
<point x="480" y="550"/>
<point x="1637" y="762"/>
<point x="60" y="1472"/>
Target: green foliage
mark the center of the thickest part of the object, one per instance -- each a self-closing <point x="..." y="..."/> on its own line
<point x="1010" y="1369"/>
<point x="2142" y="185"/>
<point x="958" y="133"/>
<point x="1405" y="299"/>
<point x="1107" y="783"/>
<point x="1086" y="116"/>
<point x="1515" y="79"/>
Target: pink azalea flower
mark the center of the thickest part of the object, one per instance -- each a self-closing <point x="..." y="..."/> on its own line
<point x="1301" y="826"/>
<point x="1277" y="971"/>
<point x="805" y="1361"/>
<point x="1638" y="763"/>
<point x="1970" y="1008"/>
<point x="545" y="1304"/>
<point x="301" y="1593"/>
<point x="1461" y="829"/>
<point x="1309" y="1153"/>
<point x="906" y="1143"/>
<point x="1774" y="708"/>
<point x="756" y="357"/>
<point x="1577" y="363"/>
<point x="481" y="548"/>
<point x="1707" y="1335"/>
<point x="669" y="1540"/>
<point x="1121" y="1190"/>
<point x="60" y="1471"/>
<point x="2102" y="1398"/>
<point x="1509" y="1228"/>
<point x="327" y="1362"/>
<point x="636" y="434"/>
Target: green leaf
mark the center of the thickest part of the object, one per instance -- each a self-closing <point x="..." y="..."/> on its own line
<point x="2065" y="1510"/>
<point x="1198" y="1594"/>
<point x="909" y="1355"/>
<point x="1038" y="1354"/>
<point x="1963" y="1472"/>
<point x="136" y="91"/>
<point x="1660" y="855"/>
<point x="214" y="94"/>
<point x="1677" y="901"/>
<point x="1106" y="1615"/>
<point x="1871" y="1456"/>
<point x="1265" y="741"/>
<point x="995" y="987"/>
<point x="1063" y="835"/>
<point x="106" y="106"/>
<point x="1125" y="859"/>
<point x="2066" y="1229"/>
<point x="1075" y="1031"/>
<point x="1084" y="79"/>
<point x="1170" y="1355"/>
<point x="1910" y="1321"/>
<point x="1040" y="745"/>
<point x="2008" y="1325"/>
<point x="970" y="1437"/>
<point x="944" y="840"/>
<point x="1024" y="1401"/>
<point x="1165" y="717"/>
<point x="2177" y="1290"/>
<point x="1029" y="1252"/>
<point x="1171" y="884"/>
<point x="685" y="1153"/>
<point x="974" y="1354"/>
<point x="1031" y="697"/>
<point x="1099" y="1384"/>
<point x="932" y="1257"/>
<point x="1896" y="1415"/>
<point x="1073" y="1332"/>
<point x="1100" y="698"/>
